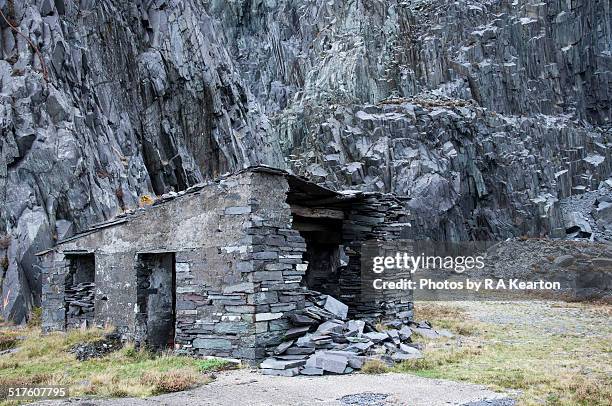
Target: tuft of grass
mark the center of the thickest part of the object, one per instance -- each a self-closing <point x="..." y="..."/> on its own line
<point x="588" y="391"/>
<point x="168" y="382"/>
<point x="374" y="366"/>
<point x="215" y="365"/>
<point x="446" y="317"/>
<point x="35" y="317"/>
<point x="436" y="359"/>
<point x="381" y="327"/>
<point x="8" y="340"/>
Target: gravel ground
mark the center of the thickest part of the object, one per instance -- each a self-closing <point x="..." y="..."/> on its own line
<point x="549" y="317"/>
<point x="249" y="388"/>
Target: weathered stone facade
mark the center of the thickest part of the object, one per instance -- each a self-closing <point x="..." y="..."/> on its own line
<point x="236" y="258"/>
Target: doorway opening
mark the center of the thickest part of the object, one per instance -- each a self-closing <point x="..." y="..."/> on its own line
<point x="324" y="252"/>
<point x="156" y="299"/>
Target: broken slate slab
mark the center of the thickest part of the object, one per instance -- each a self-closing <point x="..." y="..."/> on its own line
<point x="408" y="349"/>
<point x="302" y="320"/>
<point x="335" y="326"/>
<point x="405" y="333"/>
<point x="282" y="347"/>
<point x="311" y="371"/>
<point x="425" y="332"/>
<point x="332" y="363"/>
<point x="272" y="363"/>
<point x="296" y="332"/>
<point x="300" y="351"/>
<point x="376" y="337"/>
<point x="290" y="357"/>
<point x="281" y="372"/>
<point x="359" y="347"/>
<point x="353" y="360"/>
<point x="355" y="328"/>
<point x="356" y="362"/>
<point x="400" y="356"/>
<point x="394" y="336"/>
<point x="305" y="341"/>
<point x="336" y="307"/>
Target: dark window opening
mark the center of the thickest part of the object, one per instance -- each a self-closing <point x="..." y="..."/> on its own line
<point x="79" y="290"/>
<point x="156" y="299"/>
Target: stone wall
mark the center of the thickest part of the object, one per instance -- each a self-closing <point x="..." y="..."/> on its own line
<point x="377" y="219"/>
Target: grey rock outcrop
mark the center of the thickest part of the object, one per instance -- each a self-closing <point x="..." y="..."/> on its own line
<point x="514" y="57"/>
<point x="486" y="113"/>
<point x="141" y="98"/>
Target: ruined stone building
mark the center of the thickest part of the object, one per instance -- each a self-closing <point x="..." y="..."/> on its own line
<point x="212" y="270"/>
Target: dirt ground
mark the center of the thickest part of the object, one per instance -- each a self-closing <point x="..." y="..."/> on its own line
<point x="249" y="388"/>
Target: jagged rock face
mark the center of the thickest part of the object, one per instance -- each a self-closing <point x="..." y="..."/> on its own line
<point x="484" y="112"/>
<point x="516" y="57"/>
<point x="141" y="98"/>
<point x="470" y="174"/>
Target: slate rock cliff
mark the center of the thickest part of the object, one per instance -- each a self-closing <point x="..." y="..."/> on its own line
<point x="485" y="113"/>
<point x="142" y="98"/>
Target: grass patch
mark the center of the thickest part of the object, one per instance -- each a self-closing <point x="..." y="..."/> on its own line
<point x="446" y="317"/>
<point x="35" y="317"/>
<point x="559" y="366"/>
<point x="8" y="340"/>
<point x="45" y="359"/>
<point x="435" y="359"/>
<point x="374" y="366"/>
<point x="174" y="381"/>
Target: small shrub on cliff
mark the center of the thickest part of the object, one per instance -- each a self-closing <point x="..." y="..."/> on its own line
<point x="146" y="200"/>
<point x="4" y="263"/>
<point x="5" y="241"/>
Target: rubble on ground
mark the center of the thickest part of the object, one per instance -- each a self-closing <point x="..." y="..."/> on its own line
<point x="589" y="215"/>
<point x="80" y="302"/>
<point x="97" y="349"/>
<point x="323" y="340"/>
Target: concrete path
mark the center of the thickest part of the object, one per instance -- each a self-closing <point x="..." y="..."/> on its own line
<point x="249" y="388"/>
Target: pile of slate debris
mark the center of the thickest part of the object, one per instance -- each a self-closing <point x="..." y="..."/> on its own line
<point x="99" y="348"/>
<point x="80" y="300"/>
<point x="323" y="340"/>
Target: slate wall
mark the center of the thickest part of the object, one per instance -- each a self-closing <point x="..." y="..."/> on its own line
<point x="377" y="219"/>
